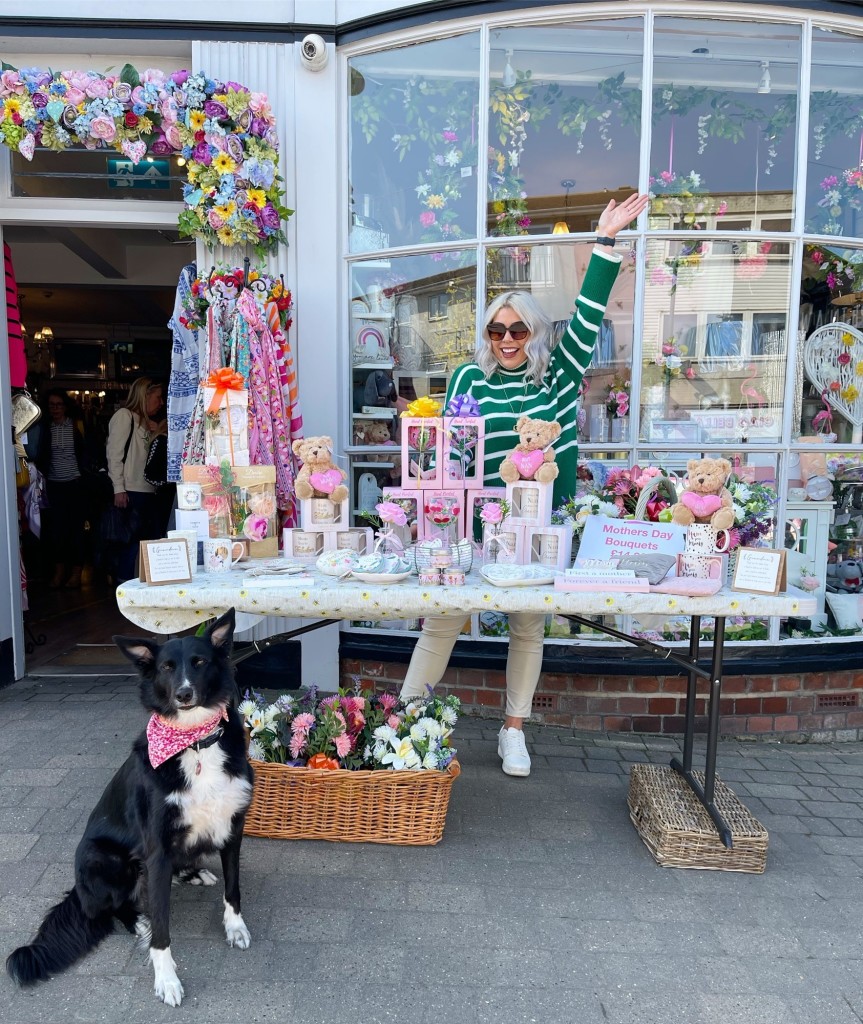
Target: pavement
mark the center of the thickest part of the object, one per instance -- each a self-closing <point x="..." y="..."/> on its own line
<point x="541" y="903"/>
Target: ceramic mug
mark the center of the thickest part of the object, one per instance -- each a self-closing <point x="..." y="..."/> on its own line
<point x="189" y="496"/>
<point x="191" y="539"/>
<point x="702" y="539"/>
<point x="222" y="553"/>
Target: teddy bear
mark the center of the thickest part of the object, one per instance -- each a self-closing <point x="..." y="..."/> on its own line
<point x="845" y="577"/>
<point x="319" y="476"/>
<point x="533" y="456"/>
<point x="706" y="500"/>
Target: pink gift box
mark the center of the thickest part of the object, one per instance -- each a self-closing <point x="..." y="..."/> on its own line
<point x="426" y="530"/>
<point x="464" y="436"/>
<point x="422" y="452"/>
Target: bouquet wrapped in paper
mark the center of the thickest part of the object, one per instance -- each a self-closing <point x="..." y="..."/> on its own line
<point x="226" y="423"/>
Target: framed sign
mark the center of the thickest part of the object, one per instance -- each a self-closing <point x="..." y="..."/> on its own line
<point x="165" y="561"/>
<point x="759" y="571"/>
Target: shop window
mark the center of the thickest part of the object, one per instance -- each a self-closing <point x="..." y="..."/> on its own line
<point x="413" y="144"/>
<point x="724" y="120"/>
<point x="102" y="174"/>
<point x="437" y="306"/>
<point x="564" y="124"/>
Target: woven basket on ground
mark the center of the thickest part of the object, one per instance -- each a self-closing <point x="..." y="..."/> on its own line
<point x="659" y="486"/>
<point x="404" y="808"/>
<point x="679" y="832"/>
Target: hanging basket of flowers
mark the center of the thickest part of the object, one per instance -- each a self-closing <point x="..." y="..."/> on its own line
<point x="351" y="768"/>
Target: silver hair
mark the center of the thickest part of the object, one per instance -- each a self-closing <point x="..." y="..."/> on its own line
<point x="538" y="346"/>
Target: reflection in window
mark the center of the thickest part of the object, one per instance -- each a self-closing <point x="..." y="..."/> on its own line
<point x="834" y="198"/>
<point x="564" y="124"/>
<point x="724" y="115"/>
<point x="413" y="144"/>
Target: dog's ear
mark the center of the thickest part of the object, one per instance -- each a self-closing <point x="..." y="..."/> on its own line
<point x="139" y="650"/>
<point x="221" y="633"/>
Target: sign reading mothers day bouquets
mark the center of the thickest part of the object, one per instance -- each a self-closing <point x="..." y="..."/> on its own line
<point x="225" y="132"/>
<point x="605" y="538"/>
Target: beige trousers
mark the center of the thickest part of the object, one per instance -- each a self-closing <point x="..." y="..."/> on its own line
<point x="523" y="663"/>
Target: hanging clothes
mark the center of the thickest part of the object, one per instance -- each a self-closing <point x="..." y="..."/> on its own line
<point x="185" y="371"/>
<point x="17" y="355"/>
<point x="287" y="369"/>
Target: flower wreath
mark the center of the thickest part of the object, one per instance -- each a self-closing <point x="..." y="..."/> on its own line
<point x="225" y="132"/>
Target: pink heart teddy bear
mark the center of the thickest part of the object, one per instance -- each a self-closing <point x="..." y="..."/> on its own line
<point x="533" y="456"/>
<point x="319" y="476"/>
<point x="706" y="499"/>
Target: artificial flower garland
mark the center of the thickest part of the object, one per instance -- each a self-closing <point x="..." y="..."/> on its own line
<point x="225" y="132"/>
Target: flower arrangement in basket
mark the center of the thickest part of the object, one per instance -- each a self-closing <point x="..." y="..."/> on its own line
<point x="753" y="511"/>
<point x="351" y="767"/>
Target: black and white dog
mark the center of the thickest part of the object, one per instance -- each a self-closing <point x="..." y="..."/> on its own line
<point x="182" y="793"/>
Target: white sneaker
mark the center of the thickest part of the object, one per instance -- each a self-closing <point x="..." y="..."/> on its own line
<point x="510" y="746"/>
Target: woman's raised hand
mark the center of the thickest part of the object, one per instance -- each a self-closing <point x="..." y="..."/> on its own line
<point x="616" y="216"/>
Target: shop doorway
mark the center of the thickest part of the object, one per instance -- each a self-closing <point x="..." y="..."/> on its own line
<point x="95" y="304"/>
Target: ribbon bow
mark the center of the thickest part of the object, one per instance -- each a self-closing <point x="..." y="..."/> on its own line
<point x="463" y="405"/>
<point x="224" y="380"/>
<point x="420" y="408"/>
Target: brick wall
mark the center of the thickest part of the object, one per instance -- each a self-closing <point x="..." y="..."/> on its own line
<point x="811" y="706"/>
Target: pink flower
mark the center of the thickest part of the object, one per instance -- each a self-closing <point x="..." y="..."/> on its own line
<point x="97" y="88"/>
<point x="844" y="358"/>
<point x="393" y="721"/>
<point x="10" y="82"/>
<point x="450" y="136"/>
<point x="817" y="256"/>
<point x="390" y="512"/>
<point x="427" y="218"/>
<point x="303" y="723"/>
<point x="255" y="527"/>
<point x="491" y="513"/>
<point x="667" y="177"/>
<point x="103" y="127"/>
<point x="689" y="373"/>
<point x="343" y="744"/>
<point x="74" y="97"/>
<point x="262" y="505"/>
<point x="722" y="209"/>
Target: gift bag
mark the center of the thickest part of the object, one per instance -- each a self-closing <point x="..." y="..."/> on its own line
<point x="226" y="422"/>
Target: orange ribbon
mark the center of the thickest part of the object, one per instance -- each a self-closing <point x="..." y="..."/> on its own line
<point x="224" y="380"/>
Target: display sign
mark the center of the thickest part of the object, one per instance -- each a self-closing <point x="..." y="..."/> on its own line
<point x="605" y="538"/>
<point x="165" y="561"/>
<point x="759" y="571"/>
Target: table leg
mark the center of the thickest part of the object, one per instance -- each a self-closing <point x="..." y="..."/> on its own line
<point x="689" y="724"/>
<point x="706" y="793"/>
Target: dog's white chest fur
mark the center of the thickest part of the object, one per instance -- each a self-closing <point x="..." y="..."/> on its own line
<point x="213" y="797"/>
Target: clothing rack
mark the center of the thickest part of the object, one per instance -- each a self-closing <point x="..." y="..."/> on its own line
<point x="244" y="283"/>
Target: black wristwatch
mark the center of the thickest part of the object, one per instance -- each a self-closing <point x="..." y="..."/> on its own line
<point x="602" y="240"/>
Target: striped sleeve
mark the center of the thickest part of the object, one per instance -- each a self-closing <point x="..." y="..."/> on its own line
<point x="575" y="351"/>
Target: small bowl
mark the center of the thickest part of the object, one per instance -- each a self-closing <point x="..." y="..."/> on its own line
<point x="797" y="494"/>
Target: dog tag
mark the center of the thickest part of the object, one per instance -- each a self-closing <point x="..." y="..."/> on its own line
<point x="198" y="768"/>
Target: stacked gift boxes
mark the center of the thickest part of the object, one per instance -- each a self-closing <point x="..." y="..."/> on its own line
<point x="325" y="526"/>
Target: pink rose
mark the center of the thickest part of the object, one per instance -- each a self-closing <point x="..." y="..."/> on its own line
<point x="10" y="82"/>
<point x="491" y="513"/>
<point x="390" y="512"/>
<point x="103" y="127"/>
<point x="262" y="505"/>
<point x="155" y="76"/>
<point x="260" y="105"/>
<point x="74" y="97"/>
<point x="77" y="79"/>
<point x="427" y="218"/>
<point x="172" y="134"/>
<point x="215" y="220"/>
<point x="97" y="89"/>
<point x="255" y="527"/>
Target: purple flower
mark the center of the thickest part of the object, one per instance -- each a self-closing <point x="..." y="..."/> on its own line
<point x="269" y="217"/>
<point x="235" y="149"/>
<point x="258" y="126"/>
<point x="179" y="77"/>
<point x="40" y="100"/>
<point x="450" y="136"/>
<point x="160" y="146"/>
<point x="201" y="154"/>
<point x="214" y="109"/>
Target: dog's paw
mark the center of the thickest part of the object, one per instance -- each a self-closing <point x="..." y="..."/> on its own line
<point x="166" y="984"/>
<point x="236" y="932"/>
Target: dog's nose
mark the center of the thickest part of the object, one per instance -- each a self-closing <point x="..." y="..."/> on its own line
<point x="185" y="695"/>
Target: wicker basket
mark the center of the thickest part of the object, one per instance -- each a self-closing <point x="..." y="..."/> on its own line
<point x="680" y="833"/>
<point x="653" y="487"/>
<point x="404" y="808"/>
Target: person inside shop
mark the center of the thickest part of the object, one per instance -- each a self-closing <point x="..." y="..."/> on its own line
<point x="130" y="432"/>
<point x="518" y="371"/>
<point x="63" y="455"/>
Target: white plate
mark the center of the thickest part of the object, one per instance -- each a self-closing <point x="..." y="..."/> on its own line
<point x="379" y="577"/>
<point x="517" y="575"/>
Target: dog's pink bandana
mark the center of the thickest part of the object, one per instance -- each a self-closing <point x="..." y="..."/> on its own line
<point x="701" y="504"/>
<point x="527" y="463"/>
<point x="327" y="481"/>
<point x="164" y="740"/>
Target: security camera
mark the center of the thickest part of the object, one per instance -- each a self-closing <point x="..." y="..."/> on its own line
<point x="313" y="53"/>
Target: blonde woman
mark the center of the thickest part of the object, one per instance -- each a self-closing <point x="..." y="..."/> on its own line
<point x="130" y="431"/>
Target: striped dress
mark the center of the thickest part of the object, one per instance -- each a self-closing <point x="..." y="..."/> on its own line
<point x="506" y="395"/>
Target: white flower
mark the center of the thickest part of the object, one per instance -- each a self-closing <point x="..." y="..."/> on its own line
<point x="739" y="513"/>
<point x="384" y="733"/>
<point x="418" y="730"/>
<point x="433" y="729"/>
<point x="402" y="756"/>
<point x="742" y="492"/>
<point x="448" y="716"/>
<point x="422" y="190"/>
<point x="256" y="751"/>
<point x="247" y="708"/>
<point x="430" y="760"/>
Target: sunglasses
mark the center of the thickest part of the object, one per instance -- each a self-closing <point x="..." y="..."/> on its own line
<point x="517" y="331"/>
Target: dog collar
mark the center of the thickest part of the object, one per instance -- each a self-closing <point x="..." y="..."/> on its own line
<point x="164" y="740"/>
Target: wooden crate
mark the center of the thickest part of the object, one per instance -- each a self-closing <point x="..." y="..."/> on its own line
<point x="680" y="833"/>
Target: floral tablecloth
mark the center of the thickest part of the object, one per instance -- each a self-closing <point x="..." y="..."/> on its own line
<point x="173" y="607"/>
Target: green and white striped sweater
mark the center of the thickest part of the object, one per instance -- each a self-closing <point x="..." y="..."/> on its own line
<point x="507" y="396"/>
